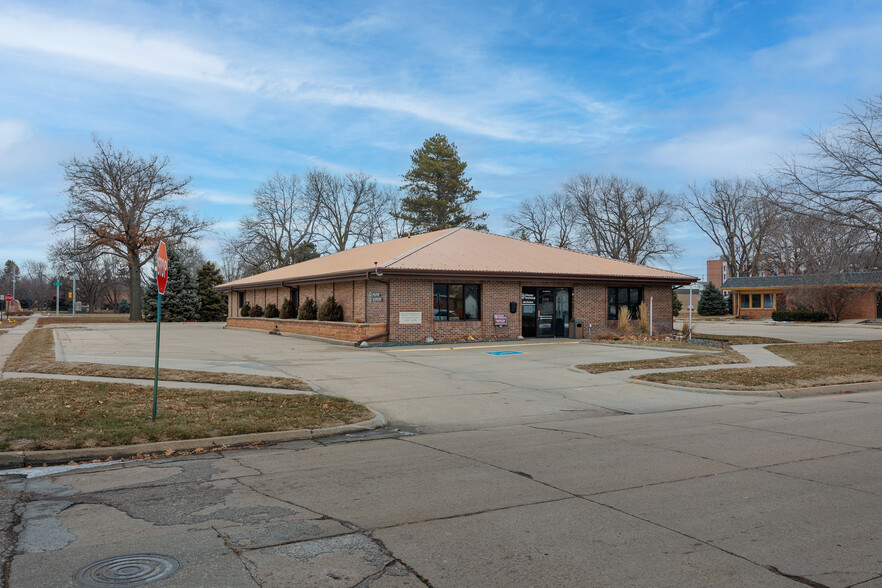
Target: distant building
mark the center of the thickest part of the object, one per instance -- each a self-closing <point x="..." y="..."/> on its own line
<point x="717" y="272"/>
<point x="757" y="297"/>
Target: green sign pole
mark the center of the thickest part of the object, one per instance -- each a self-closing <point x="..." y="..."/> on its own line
<point x="156" y="368"/>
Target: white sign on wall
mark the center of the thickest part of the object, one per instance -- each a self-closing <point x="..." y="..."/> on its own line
<point x="410" y="318"/>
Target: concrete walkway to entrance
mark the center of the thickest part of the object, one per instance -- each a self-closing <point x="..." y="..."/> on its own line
<point x="13" y="337"/>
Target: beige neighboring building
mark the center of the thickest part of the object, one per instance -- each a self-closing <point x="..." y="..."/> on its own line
<point x="455" y="284"/>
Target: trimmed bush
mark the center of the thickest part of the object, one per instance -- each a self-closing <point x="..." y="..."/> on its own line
<point x="256" y="311"/>
<point x="307" y="310"/>
<point x="330" y="310"/>
<point x="288" y="311"/>
<point x="807" y="316"/>
<point x="271" y="311"/>
<point x="246" y="309"/>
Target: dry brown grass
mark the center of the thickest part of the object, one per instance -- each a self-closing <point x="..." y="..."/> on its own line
<point x="36" y="354"/>
<point x="60" y="414"/>
<point x="81" y="319"/>
<point x="739" y="339"/>
<point x="817" y="365"/>
<point x="12" y="322"/>
<point x="722" y="358"/>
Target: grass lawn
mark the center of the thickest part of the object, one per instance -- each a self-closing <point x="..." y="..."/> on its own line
<point x="36" y="354"/>
<point x="59" y="414"/>
<point x="722" y="358"/>
<point x="818" y="364"/>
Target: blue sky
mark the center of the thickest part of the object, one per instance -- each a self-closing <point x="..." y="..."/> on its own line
<point x="667" y="93"/>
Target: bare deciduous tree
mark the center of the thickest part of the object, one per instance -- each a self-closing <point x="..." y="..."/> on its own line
<point x="830" y="299"/>
<point x="804" y="244"/>
<point x="380" y="220"/>
<point x="284" y="217"/>
<point x="343" y="205"/>
<point x="125" y="204"/>
<point x="545" y="219"/>
<point x="622" y="219"/>
<point x="841" y="180"/>
<point x="740" y="218"/>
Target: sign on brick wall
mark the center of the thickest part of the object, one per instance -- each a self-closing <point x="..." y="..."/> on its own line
<point x="410" y="318"/>
<point x="500" y="320"/>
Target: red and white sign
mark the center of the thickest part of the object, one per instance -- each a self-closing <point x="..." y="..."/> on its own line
<point x="9" y="298"/>
<point x="161" y="267"/>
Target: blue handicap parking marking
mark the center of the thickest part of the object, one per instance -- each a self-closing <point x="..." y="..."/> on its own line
<point x="503" y="352"/>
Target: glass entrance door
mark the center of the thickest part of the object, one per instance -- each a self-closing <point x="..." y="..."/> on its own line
<point x="528" y="311"/>
<point x="545" y="312"/>
<point x="561" y="312"/>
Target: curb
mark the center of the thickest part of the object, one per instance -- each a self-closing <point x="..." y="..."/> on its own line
<point x="17" y="459"/>
<point x="780" y="393"/>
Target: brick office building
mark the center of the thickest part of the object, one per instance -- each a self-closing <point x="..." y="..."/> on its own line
<point x="758" y="297"/>
<point x="458" y="283"/>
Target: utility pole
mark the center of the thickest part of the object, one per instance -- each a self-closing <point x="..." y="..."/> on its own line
<point x="74" y="306"/>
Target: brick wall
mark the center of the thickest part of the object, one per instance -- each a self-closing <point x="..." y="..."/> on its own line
<point x="331" y="330"/>
<point x="415" y="295"/>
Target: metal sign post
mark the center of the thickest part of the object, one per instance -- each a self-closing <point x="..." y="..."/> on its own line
<point x="161" y="280"/>
<point x="57" y="294"/>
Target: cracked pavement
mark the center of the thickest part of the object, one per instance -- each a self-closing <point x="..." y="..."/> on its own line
<point x="781" y="492"/>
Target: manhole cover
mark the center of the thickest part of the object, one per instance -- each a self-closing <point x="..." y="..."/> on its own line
<point x="128" y="570"/>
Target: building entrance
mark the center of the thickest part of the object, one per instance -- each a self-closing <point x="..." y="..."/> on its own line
<point x="546" y="312"/>
<point x="879" y="305"/>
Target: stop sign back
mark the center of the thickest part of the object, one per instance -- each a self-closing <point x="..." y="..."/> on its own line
<point x="161" y="267"/>
<point x="9" y="298"/>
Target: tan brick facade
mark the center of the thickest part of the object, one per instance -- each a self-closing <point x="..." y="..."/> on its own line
<point x="365" y="302"/>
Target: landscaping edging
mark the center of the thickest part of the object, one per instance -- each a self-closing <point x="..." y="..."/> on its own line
<point x="780" y="393"/>
<point x="17" y="459"/>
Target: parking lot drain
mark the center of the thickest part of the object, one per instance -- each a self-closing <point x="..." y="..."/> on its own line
<point x="128" y="570"/>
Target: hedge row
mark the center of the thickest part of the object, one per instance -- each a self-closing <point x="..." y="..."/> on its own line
<point x="808" y="316"/>
<point x="330" y="310"/>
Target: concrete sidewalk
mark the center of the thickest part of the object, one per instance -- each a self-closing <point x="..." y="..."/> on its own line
<point x="13" y="337"/>
<point x="778" y="493"/>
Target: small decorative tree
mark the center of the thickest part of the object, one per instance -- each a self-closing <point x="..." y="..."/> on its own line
<point x="677" y="306"/>
<point x="271" y="311"/>
<point x="181" y="299"/>
<point x="256" y="311"/>
<point x="288" y="311"/>
<point x="307" y="311"/>
<point x="330" y="310"/>
<point x="712" y="302"/>
<point x="213" y="304"/>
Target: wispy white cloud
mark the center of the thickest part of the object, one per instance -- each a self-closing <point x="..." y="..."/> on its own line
<point x="147" y="52"/>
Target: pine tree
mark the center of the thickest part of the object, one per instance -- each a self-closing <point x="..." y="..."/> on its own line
<point x="212" y="304"/>
<point x="181" y="299"/>
<point x="711" y="302"/>
<point x="439" y="193"/>
<point x="676" y="305"/>
<point x="288" y="310"/>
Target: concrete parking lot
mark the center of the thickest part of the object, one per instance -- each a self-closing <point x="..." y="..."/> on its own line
<point x="436" y="388"/>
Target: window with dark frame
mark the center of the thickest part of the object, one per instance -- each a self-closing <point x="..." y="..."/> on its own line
<point x="754" y="301"/>
<point x="457" y="302"/>
<point x="628" y="297"/>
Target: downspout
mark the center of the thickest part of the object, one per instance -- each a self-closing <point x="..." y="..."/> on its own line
<point x="368" y="277"/>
